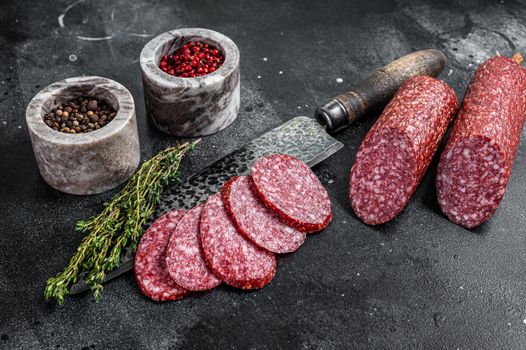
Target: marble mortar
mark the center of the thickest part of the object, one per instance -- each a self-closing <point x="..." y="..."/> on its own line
<point x="86" y="163"/>
<point x="191" y="107"/>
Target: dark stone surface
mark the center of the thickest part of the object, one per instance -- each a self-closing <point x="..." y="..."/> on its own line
<point x="417" y="282"/>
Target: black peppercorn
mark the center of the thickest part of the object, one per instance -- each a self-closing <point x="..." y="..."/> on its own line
<point x="92" y="105"/>
<point x="80" y="115"/>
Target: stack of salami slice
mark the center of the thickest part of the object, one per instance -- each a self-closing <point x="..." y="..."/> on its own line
<point x="233" y="237"/>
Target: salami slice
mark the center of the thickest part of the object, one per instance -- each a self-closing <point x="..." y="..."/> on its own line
<point x="150" y="260"/>
<point x="476" y="163"/>
<point x="290" y="189"/>
<point x="255" y="221"/>
<point x="184" y="258"/>
<point x="397" y="150"/>
<point x="236" y="260"/>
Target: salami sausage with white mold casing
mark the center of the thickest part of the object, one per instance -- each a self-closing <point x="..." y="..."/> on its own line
<point x="476" y="163"/>
<point x="398" y="149"/>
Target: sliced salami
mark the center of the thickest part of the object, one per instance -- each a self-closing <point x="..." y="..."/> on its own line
<point x="476" y="163"/>
<point x="255" y="221"/>
<point x="290" y="189"/>
<point x="233" y="258"/>
<point x="397" y="150"/>
<point x="150" y="260"/>
<point x="184" y="258"/>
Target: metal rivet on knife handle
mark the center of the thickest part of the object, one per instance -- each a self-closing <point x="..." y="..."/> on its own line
<point x="374" y="92"/>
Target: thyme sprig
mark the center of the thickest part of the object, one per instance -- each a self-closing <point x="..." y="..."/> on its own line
<point x="120" y="224"/>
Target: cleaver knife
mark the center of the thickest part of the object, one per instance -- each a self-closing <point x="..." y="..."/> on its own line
<point x="306" y="138"/>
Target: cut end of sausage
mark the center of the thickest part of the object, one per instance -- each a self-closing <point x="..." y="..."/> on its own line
<point x="471" y="180"/>
<point x="382" y="177"/>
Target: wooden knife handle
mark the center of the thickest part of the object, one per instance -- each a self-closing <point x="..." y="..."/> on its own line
<point x="374" y="92"/>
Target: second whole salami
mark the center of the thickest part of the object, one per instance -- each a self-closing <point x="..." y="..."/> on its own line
<point x="397" y="150"/>
<point x="476" y="163"/>
<point x="233" y="258"/>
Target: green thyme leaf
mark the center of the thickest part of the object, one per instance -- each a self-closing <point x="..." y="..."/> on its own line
<point x="119" y="226"/>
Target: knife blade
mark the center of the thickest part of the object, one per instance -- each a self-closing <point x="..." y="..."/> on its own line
<point x="305" y="138"/>
<point x="300" y="137"/>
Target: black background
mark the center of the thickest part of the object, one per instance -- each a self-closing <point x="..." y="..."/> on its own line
<point x="417" y="282"/>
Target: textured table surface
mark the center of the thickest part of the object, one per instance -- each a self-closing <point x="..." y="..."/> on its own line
<point x="417" y="282"/>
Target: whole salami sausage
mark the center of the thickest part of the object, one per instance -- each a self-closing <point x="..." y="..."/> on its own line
<point x="290" y="189"/>
<point x="184" y="258"/>
<point x="255" y="221"/>
<point x="150" y="260"/>
<point x="475" y="165"/>
<point x="397" y="150"/>
<point x="233" y="258"/>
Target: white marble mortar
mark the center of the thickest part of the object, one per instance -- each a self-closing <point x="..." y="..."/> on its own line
<point x="86" y="163"/>
<point x="191" y="107"/>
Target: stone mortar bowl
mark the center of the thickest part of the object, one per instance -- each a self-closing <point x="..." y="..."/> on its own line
<point x="190" y="107"/>
<point x="86" y="163"/>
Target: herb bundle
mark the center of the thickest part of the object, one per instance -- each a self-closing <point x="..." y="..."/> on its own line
<point x="120" y="224"/>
